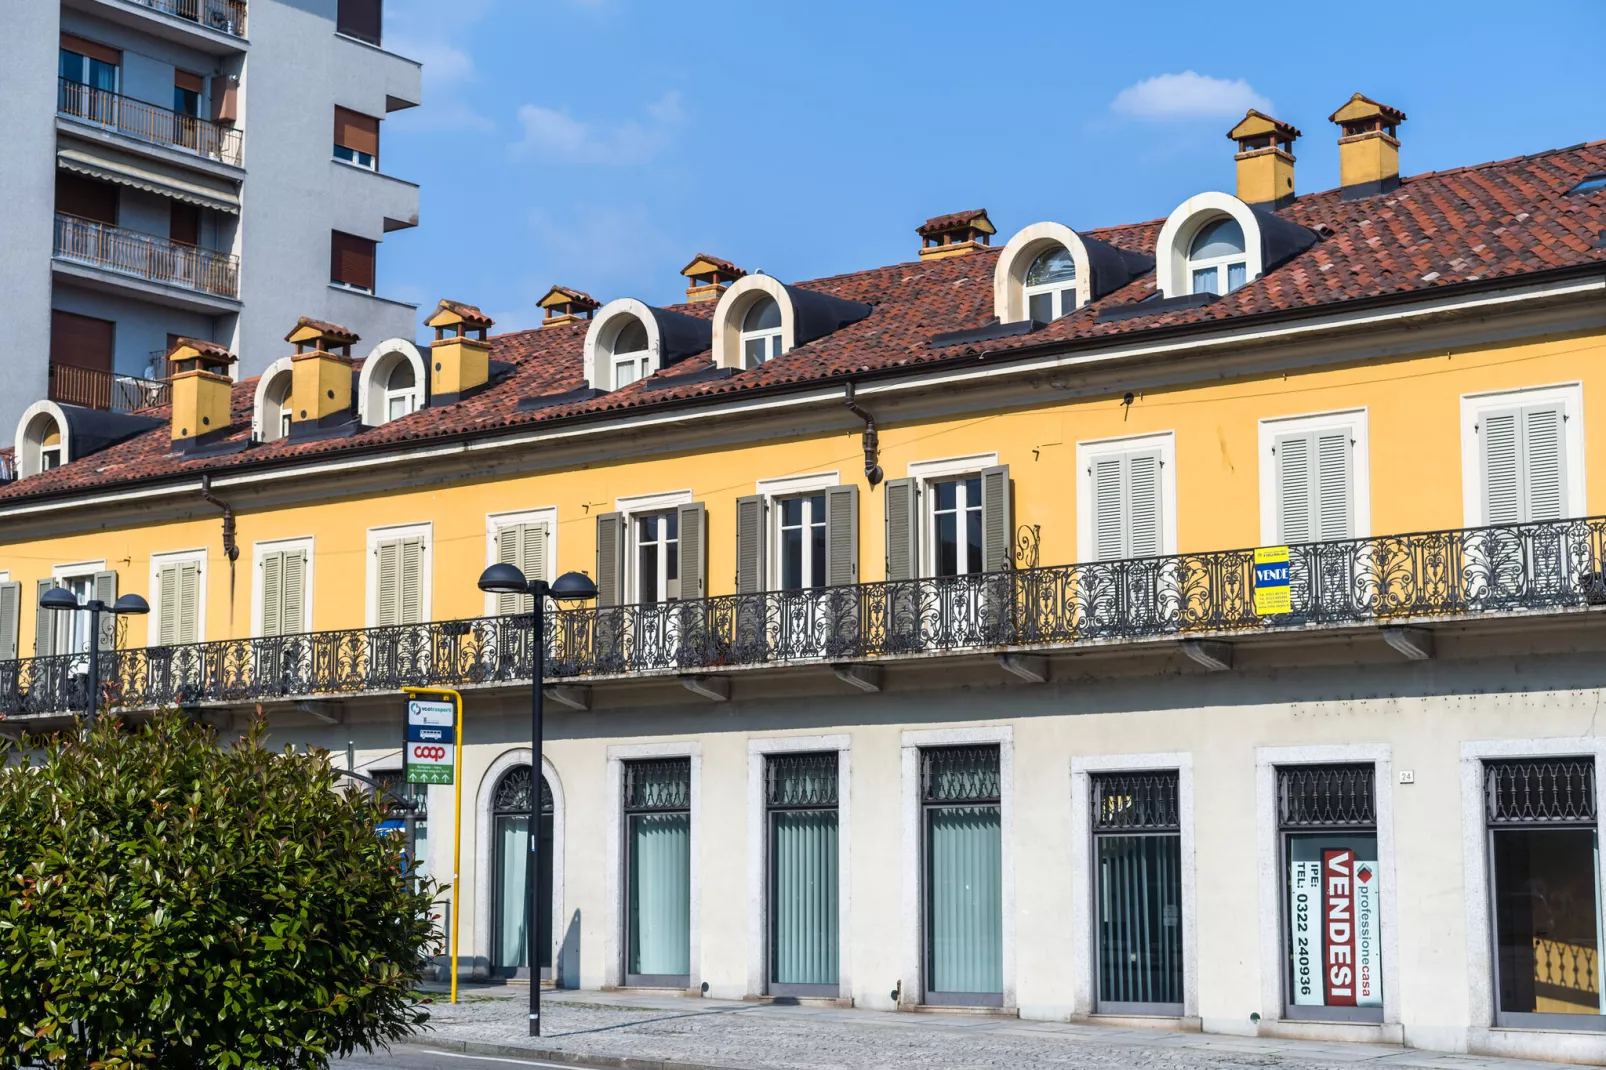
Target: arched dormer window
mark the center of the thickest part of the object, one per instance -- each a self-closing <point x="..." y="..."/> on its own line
<point x="270" y="414"/>
<point x="50" y="449"/>
<point x="1218" y="262"/>
<point x="44" y="440"/>
<point x="399" y="391"/>
<point x="629" y="340"/>
<point x="385" y="391"/>
<point x="1051" y="285"/>
<point x="630" y="353"/>
<point x="761" y="332"/>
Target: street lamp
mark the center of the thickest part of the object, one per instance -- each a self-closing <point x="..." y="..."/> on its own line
<point x="503" y="578"/>
<point x="60" y="598"/>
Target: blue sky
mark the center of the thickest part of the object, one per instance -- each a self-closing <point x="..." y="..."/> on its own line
<point x="601" y="143"/>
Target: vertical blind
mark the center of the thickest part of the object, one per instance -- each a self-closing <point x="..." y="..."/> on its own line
<point x="1126" y="505"/>
<point x="657" y="805"/>
<point x="1524" y="464"/>
<point x="802" y="798"/>
<point x="964" y="870"/>
<point x="1137" y="830"/>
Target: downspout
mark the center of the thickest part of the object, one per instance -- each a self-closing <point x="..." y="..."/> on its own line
<point x="871" y="441"/>
<point x="231" y="548"/>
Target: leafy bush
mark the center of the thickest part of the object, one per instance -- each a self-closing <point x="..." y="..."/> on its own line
<point x="171" y="902"/>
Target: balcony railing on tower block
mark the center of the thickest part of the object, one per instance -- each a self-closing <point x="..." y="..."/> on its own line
<point x="148" y="122"/>
<point x="96" y="389"/>
<point x="1461" y="573"/>
<point x="146" y="256"/>
<point x="224" y="16"/>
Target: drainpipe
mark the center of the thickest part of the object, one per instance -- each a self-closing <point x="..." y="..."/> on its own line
<point x="872" y="441"/>
<point x="231" y="548"/>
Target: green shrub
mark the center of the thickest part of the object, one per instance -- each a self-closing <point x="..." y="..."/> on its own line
<point x="171" y="902"/>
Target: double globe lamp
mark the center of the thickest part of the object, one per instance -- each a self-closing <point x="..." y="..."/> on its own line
<point x="504" y="578"/>
<point x="60" y="598"/>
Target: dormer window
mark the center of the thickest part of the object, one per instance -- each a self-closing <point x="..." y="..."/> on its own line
<point x="50" y="449"/>
<point x="761" y="332"/>
<point x="1051" y="285"/>
<point x="277" y="415"/>
<point x="1217" y="261"/>
<point x="631" y="354"/>
<point x="391" y="384"/>
<point x="400" y="390"/>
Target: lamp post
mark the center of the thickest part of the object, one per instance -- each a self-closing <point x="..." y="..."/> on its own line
<point x="570" y="587"/>
<point x="63" y="600"/>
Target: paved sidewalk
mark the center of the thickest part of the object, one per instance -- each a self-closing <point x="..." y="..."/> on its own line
<point x="651" y="1031"/>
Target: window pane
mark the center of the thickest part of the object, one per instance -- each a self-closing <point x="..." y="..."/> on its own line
<point x="792" y="559"/>
<point x="753" y="351"/>
<point x="632" y="338"/>
<point x="624" y="373"/>
<point x="775" y="345"/>
<point x="70" y="65"/>
<point x="964" y="901"/>
<point x="764" y="315"/>
<point x="1547" y="921"/>
<point x="792" y="511"/>
<point x="660" y="894"/>
<point x="972" y="540"/>
<point x="947" y="545"/>
<point x="512" y="851"/>
<point x="1204" y="281"/>
<point x="1140" y="919"/>
<point x="1335" y="950"/>
<point x="946" y="494"/>
<point x="1221" y="238"/>
<point x="817" y="553"/>
<point x="803" y="897"/>
<point x="1067" y="302"/>
<point x="1041" y="307"/>
<point x="102" y="75"/>
<point x="1237" y="275"/>
<point x="1055" y="265"/>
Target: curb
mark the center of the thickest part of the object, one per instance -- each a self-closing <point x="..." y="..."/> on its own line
<point x="569" y="1058"/>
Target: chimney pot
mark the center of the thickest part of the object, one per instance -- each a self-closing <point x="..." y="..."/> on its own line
<point x="1368" y="147"/>
<point x="201" y="386"/>
<point x="320" y="371"/>
<point x="461" y="352"/>
<point x="564" y="305"/>
<point x="1265" y="160"/>
<point x="955" y="234"/>
<point x="708" y="276"/>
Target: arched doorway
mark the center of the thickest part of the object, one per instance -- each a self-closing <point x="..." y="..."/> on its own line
<point x="510" y="837"/>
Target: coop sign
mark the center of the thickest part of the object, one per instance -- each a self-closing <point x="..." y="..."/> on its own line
<point x="431" y="746"/>
<point x="1271" y="581"/>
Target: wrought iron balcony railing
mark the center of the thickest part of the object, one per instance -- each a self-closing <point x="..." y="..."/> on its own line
<point x="146" y="256"/>
<point x="148" y="122"/>
<point x="225" y="16"/>
<point x="1509" y="569"/>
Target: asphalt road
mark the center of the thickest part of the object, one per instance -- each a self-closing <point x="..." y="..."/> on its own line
<point x="419" y="1058"/>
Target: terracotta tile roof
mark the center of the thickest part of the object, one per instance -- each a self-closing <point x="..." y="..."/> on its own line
<point x="333" y="331"/>
<point x="470" y="315"/>
<point x="1437" y="231"/>
<point x="215" y="350"/>
<point x="940" y="224"/>
<point x="725" y="266"/>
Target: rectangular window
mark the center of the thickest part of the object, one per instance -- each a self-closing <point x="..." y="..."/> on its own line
<point x="1126" y="503"/>
<point x="58" y="633"/>
<point x="284" y="592"/>
<point x="658" y="557"/>
<point x="1327" y="815"/>
<point x="81" y="341"/>
<point x="1524" y="455"/>
<point x="801" y="799"/>
<point x="351" y="261"/>
<point x="960" y="792"/>
<point x="178" y="608"/>
<point x="400" y="580"/>
<point x="657" y="806"/>
<point x="356" y="138"/>
<point x="86" y="198"/>
<point x="362" y="19"/>
<point x="187" y="90"/>
<point x="90" y="64"/>
<point x="802" y="542"/>
<point x="523" y="546"/>
<point x="956" y="519"/>
<point x="1137" y="840"/>
<point x="1315" y="500"/>
<point x="1544" y="861"/>
<point x="184" y="223"/>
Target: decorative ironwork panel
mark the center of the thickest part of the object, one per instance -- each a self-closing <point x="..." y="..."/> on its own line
<point x="513" y="793"/>
<point x="801" y="781"/>
<point x="1327" y="796"/>
<point x="1540" y="792"/>
<point x="658" y="784"/>
<point x="960" y="774"/>
<point x="1136" y="802"/>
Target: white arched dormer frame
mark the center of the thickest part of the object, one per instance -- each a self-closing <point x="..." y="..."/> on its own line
<point x="606" y="323"/>
<point x="485" y="863"/>
<point x="1183" y="225"/>
<point x="733" y="305"/>
<point x="32" y="429"/>
<point x="1022" y="249"/>
<point x="265" y="424"/>
<point x="376" y="369"/>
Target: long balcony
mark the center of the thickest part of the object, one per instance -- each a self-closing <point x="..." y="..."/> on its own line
<point x="1208" y="598"/>
<point x="148" y="123"/>
<point x="224" y="16"/>
<point x="146" y="256"/>
<point x="96" y="389"/>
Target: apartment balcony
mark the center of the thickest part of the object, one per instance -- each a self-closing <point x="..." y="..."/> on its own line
<point x="148" y="123"/>
<point x="216" y="26"/>
<point x="147" y="258"/>
<point x="107" y="391"/>
<point x="1399" y="584"/>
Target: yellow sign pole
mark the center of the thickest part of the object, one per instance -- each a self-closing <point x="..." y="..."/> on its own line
<point x="457" y="818"/>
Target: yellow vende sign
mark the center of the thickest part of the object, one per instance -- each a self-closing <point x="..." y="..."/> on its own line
<point x="1271" y="581"/>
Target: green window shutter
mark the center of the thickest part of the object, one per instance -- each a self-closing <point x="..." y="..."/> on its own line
<point x="167" y="605"/>
<point x="272" y="566"/>
<point x="903" y="529"/>
<point x="610" y="559"/>
<point x="412" y="581"/>
<point x="1544" y="463"/>
<point x="387" y="599"/>
<point x="750" y="556"/>
<point x="1502" y="467"/>
<point x="106" y="591"/>
<point x="44" y="623"/>
<point x="693" y="550"/>
<point x="189" y="603"/>
<point x="507" y="553"/>
<point x="996" y="521"/>
<point x="10" y="619"/>
<point x="293" y="593"/>
<point x="842" y="535"/>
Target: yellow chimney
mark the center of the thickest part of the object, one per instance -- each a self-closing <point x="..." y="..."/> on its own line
<point x="201" y="387"/>
<point x="460" y="355"/>
<point x="1265" y="160"/>
<point x="320" y="373"/>
<point x="1368" y="148"/>
<point x="564" y="305"/>
<point x="955" y="234"/>
<point x="708" y="277"/>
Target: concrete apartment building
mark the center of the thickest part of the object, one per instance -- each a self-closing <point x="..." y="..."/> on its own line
<point x="171" y="173"/>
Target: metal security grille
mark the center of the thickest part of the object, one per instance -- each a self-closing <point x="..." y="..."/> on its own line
<point x="513" y="793"/>
<point x="1550" y="792"/>
<point x="959" y="774"/>
<point x="657" y="785"/>
<point x="1327" y="796"/>
<point x="801" y="781"/>
<point x="1135" y="802"/>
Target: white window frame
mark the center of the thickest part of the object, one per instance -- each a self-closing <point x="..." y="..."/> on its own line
<point x="160" y="561"/>
<point x="758" y="900"/>
<point x="67" y="622"/>
<point x="546" y="515"/>
<point x="636" y="505"/>
<point x="1353" y="421"/>
<point x="424" y="530"/>
<point x="1570" y="396"/>
<point x="1165" y="442"/>
<point x="1055" y="290"/>
<point x="937" y="471"/>
<point x="407" y="395"/>
<point x="261" y="549"/>
<point x="773" y="491"/>
<point x="1221" y="264"/>
<point x="637" y="361"/>
<point x="566" y="974"/>
<point x="356" y="159"/>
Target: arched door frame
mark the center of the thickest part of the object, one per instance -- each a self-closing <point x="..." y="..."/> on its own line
<point x="485" y="857"/>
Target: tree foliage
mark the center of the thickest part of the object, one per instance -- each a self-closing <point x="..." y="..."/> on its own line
<point x="176" y="903"/>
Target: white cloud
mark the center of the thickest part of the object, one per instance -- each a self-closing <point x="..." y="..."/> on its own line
<point x="444" y="64"/>
<point x="561" y="138"/>
<point x="1188" y="95"/>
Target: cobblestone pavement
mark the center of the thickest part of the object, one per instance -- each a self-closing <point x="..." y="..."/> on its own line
<point x="643" y="1030"/>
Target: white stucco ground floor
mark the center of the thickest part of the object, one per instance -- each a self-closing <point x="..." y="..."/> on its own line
<point x="1324" y="841"/>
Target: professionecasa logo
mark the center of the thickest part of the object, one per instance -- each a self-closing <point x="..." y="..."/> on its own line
<point x="429" y="750"/>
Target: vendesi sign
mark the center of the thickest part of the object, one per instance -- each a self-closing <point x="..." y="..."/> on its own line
<point x="1333" y="923"/>
<point x="431" y="747"/>
<point x="1271" y="581"/>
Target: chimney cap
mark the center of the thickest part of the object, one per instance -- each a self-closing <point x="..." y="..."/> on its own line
<point x="458" y="313"/>
<point x="703" y="264"/>
<point x="563" y="295"/>
<point x="308" y="329"/>
<point x="973" y="219"/>
<point x="1257" y="124"/>
<point x="197" y="349"/>
<point x="1360" y="107"/>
